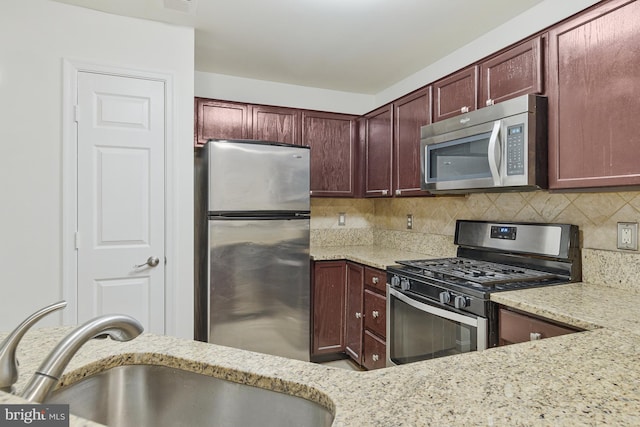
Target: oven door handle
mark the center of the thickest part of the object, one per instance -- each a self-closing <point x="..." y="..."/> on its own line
<point x="436" y="311"/>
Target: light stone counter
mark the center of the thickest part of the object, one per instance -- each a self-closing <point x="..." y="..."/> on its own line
<point x="373" y="256"/>
<point x="590" y="378"/>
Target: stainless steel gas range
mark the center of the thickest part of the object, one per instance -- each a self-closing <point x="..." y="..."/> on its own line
<point x="440" y="307"/>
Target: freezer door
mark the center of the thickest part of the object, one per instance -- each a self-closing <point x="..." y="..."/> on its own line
<point x="251" y="176"/>
<point x="260" y="285"/>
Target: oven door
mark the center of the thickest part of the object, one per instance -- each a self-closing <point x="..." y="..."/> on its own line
<point x="419" y="330"/>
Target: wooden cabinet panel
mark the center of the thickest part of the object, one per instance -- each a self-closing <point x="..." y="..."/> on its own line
<point x="276" y="124"/>
<point x="514" y="72"/>
<point x="379" y="152"/>
<point x="329" y="306"/>
<point x="332" y="138"/>
<point x="375" y="278"/>
<point x="220" y="120"/>
<point x="374" y="352"/>
<point x="456" y="94"/>
<point x="516" y="328"/>
<point x="375" y="312"/>
<point x="593" y="98"/>
<point x="353" y="336"/>
<point x="411" y="112"/>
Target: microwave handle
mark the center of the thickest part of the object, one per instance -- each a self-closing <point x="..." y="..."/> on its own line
<point x="495" y="154"/>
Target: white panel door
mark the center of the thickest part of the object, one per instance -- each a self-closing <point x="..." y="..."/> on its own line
<point x="121" y="172"/>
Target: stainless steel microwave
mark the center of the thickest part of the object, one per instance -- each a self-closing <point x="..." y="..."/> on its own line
<point x="502" y="147"/>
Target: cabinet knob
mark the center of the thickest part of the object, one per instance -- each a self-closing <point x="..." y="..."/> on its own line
<point x="375" y="280"/>
<point x="398" y="192"/>
<point x="490" y="102"/>
<point x="311" y="192"/>
<point x="464" y="109"/>
<point x="534" y="336"/>
<point x="358" y="315"/>
<point x="375" y="313"/>
<point x="385" y="192"/>
<point x="375" y="357"/>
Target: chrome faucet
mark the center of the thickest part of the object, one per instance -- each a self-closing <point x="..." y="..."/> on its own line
<point x="8" y="360"/>
<point x="118" y="326"/>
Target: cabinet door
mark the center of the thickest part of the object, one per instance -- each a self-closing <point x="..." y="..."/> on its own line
<point x="516" y="328"/>
<point x="276" y="124"/>
<point x="353" y="338"/>
<point x="332" y="138"/>
<point x="220" y="120"/>
<point x="375" y="312"/>
<point x="456" y="94"/>
<point x="593" y="98"/>
<point x="329" y="305"/>
<point x="411" y="112"/>
<point x="374" y="352"/>
<point x="514" y="72"/>
<point x="379" y="152"/>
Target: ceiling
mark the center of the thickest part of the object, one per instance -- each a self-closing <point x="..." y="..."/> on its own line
<point x="361" y="46"/>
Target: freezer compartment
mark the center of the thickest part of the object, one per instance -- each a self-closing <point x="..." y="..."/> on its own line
<point x="259" y="295"/>
<point x="257" y="176"/>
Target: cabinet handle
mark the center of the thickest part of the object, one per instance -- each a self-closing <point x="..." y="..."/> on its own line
<point x="375" y="280"/>
<point x="375" y="357"/>
<point x="385" y="192"/>
<point x="375" y="313"/>
<point x="311" y="192"/>
<point x="464" y="109"/>
<point x="534" y="336"/>
<point x="358" y="315"/>
<point x="398" y="192"/>
<point x="490" y="102"/>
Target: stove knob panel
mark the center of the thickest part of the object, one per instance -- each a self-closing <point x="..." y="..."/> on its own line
<point x="445" y="297"/>
<point x="395" y="280"/>
<point x="461" y="302"/>
<point x="404" y="284"/>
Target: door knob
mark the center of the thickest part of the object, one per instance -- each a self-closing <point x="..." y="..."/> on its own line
<point x="152" y="261"/>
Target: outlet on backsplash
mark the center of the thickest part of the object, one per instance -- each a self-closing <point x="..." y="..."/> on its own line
<point x="628" y="235"/>
<point x="409" y="221"/>
<point x="342" y="218"/>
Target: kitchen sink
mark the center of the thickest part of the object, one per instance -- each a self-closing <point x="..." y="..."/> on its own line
<point x="148" y="395"/>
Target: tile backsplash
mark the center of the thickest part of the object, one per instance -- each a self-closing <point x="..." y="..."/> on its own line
<point x="383" y="222"/>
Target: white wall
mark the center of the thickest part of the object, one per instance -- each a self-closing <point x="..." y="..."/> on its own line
<point x="36" y="35"/>
<point x="209" y="85"/>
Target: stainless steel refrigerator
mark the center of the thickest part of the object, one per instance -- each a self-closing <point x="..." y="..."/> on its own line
<point x="252" y="266"/>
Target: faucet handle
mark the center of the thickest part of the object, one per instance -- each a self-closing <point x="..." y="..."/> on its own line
<point x="8" y="361"/>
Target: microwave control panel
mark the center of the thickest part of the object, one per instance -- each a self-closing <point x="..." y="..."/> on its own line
<point x="515" y="149"/>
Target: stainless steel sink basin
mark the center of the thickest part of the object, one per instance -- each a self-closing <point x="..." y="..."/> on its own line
<point x="146" y="395"/>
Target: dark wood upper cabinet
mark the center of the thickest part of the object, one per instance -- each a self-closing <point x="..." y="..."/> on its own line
<point x="276" y="124"/>
<point x="221" y="120"/>
<point x="513" y="72"/>
<point x="455" y="94"/>
<point x="411" y="112"/>
<point x="594" y="94"/>
<point x="379" y="152"/>
<point x="332" y="138"/>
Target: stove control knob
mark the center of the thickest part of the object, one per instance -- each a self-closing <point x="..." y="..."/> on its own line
<point x="395" y="281"/>
<point x="404" y="284"/>
<point x="461" y="302"/>
<point x="445" y="297"/>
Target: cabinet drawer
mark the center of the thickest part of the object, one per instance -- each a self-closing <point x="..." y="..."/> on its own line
<point x="516" y="328"/>
<point x="375" y="312"/>
<point x="374" y="352"/>
<point x="375" y="278"/>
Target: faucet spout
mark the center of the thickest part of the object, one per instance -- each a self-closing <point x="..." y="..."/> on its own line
<point x="8" y="360"/>
<point x="118" y="326"/>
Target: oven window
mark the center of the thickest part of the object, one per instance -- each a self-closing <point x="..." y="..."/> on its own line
<point x="417" y="335"/>
<point x="463" y="158"/>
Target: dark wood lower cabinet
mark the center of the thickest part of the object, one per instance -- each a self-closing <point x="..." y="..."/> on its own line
<point x="349" y="312"/>
<point x="329" y="298"/>
<point x="515" y="327"/>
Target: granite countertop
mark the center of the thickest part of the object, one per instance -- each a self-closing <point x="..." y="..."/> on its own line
<point x="373" y="256"/>
<point x="587" y="378"/>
